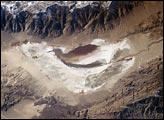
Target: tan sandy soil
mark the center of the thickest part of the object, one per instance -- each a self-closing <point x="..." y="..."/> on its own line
<point x="145" y="46"/>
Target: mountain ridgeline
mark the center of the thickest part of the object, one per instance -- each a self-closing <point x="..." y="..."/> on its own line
<point x="61" y="19"/>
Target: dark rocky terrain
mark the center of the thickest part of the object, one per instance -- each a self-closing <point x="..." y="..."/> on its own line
<point x="127" y="99"/>
<point x="136" y="95"/>
<point x="141" y="97"/>
<point x="58" y="19"/>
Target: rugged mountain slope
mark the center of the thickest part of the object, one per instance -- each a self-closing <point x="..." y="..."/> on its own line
<point x="138" y="93"/>
<point x="59" y="19"/>
<point x="127" y="99"/>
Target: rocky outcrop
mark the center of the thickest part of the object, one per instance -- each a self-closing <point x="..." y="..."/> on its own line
<point x="57" y="111"/>
<point x="12" y="89"/>
<point x="61" y="19"/>
<point x="83" y="114"/>
<point x="148" y="108"/>
<point x="138" y="95"/>
<point x="50" y="100"/>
